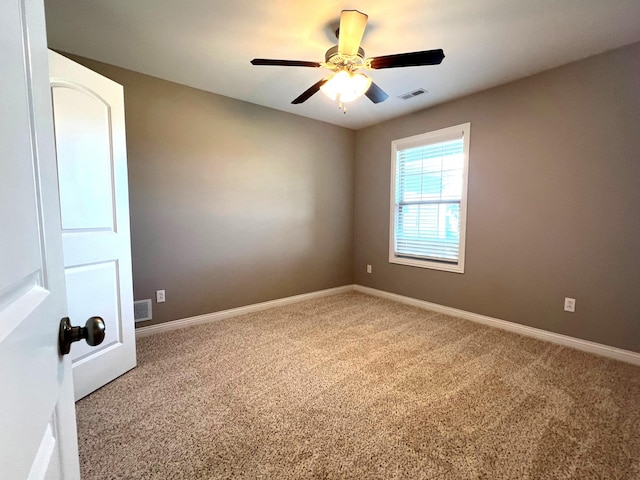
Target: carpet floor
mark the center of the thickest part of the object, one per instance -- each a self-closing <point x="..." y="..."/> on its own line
<point x="356" y="387"/>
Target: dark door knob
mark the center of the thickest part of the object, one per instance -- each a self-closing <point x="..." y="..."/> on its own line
<point x="92" y="332"/>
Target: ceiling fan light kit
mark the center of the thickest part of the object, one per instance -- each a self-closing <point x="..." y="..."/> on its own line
<point x="346" y="83"/>
<point x="346" y="86"/>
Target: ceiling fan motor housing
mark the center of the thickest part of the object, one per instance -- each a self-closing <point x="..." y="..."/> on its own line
<point x="334" y="57"/>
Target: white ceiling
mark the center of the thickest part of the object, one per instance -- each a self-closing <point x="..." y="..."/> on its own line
<point x="207" y="44"/>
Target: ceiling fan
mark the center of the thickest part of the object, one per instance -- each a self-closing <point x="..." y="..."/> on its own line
<point x="346" y="82"/>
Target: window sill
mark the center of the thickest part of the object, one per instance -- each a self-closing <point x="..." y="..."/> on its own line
<point x="415" y="262"/>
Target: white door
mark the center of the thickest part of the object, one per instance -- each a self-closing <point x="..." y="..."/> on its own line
<point x="37" y="417"/>
<point x="94" y="202"/>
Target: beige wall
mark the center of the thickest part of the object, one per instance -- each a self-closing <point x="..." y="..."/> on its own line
<point x="554" y="193"/>
<point x="231" y="203"/>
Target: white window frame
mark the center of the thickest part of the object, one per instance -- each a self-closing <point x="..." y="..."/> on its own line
<point x="437" y="136"/>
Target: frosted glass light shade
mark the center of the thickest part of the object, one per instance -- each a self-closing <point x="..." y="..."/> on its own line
<point x="346" y="87"/>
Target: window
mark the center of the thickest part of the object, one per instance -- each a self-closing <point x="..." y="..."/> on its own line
<point x="429" y="199"/>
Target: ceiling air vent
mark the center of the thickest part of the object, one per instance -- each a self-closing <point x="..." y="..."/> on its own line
<point x="415" y="93"/>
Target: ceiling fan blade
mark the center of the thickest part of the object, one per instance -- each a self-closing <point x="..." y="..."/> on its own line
<point x="376" y="94"/>
<point x="309" y="92"/>
<point x="413" y="59"/>
<point x="352" y="25"/>
<point x="284" y="63"/>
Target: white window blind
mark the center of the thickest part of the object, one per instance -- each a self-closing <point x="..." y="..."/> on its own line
<point x="429" y="199"/>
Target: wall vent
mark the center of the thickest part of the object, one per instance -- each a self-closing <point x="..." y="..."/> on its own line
<point x="142" y="310"/>
<point x="412" y="94"/>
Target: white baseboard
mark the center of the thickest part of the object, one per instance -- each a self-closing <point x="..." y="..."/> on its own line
<point x="234" y="312"/>
<point x="584" y="345"/>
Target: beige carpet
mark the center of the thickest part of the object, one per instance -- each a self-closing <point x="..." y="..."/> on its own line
<point x="352" y="386"/>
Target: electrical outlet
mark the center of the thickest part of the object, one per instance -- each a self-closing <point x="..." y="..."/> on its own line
<point x="569" y="304"/>
<point x="160" y="296"/>
<point x="368" y="268"/>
